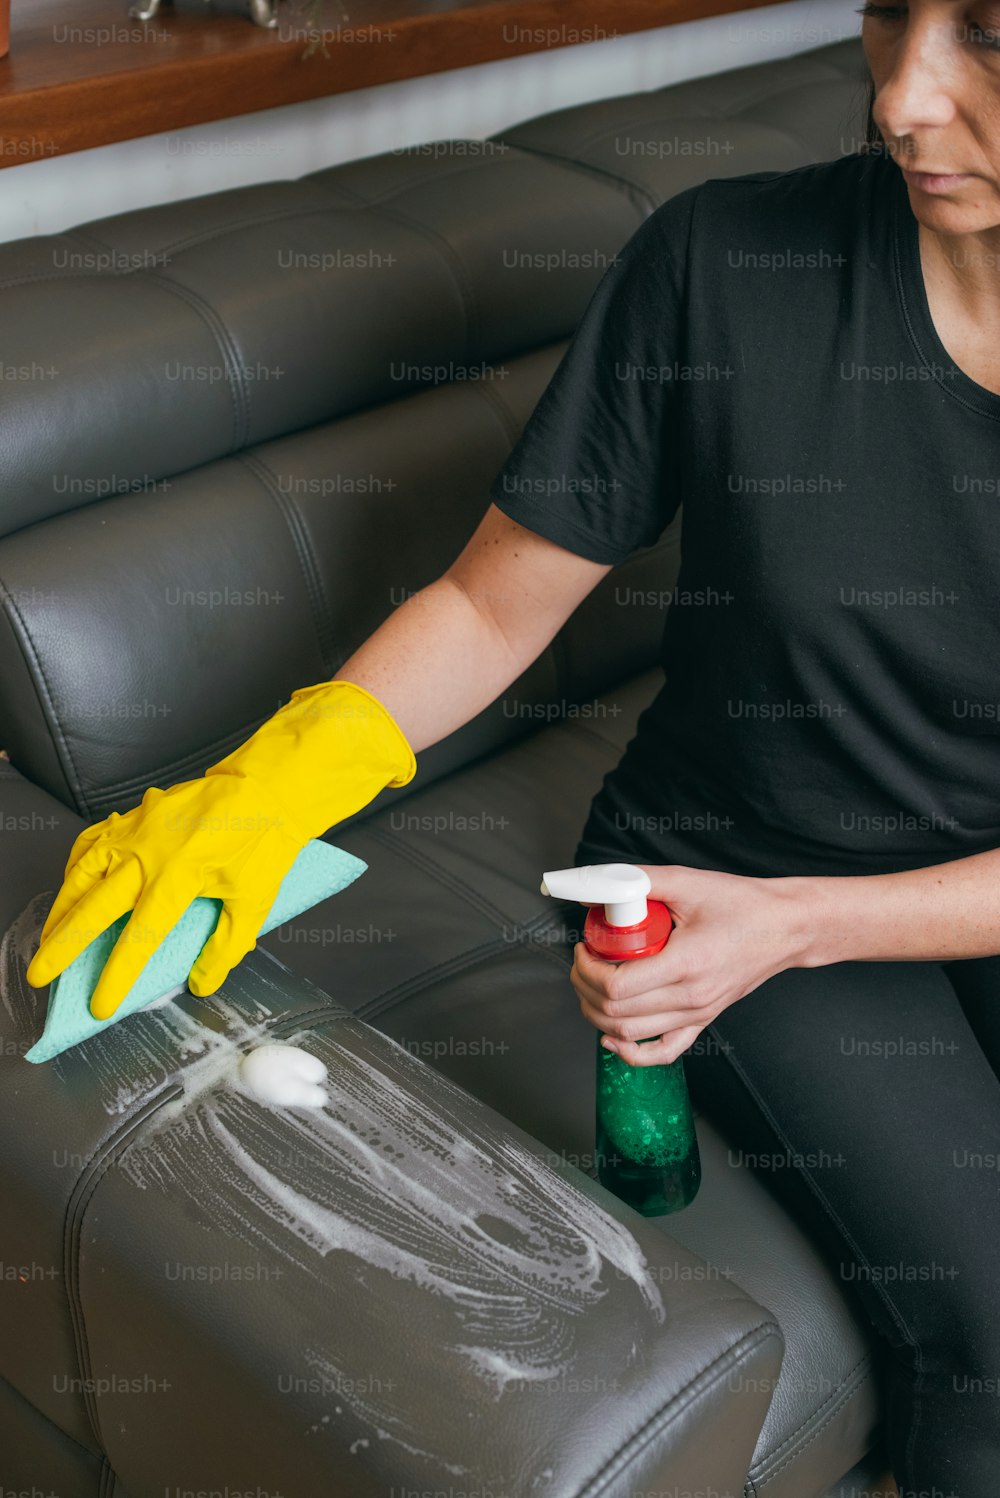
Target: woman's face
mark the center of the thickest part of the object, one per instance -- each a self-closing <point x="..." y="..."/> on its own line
<point x="936" y="68"/>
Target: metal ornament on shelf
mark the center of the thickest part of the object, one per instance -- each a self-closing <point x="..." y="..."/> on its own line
<point x="262" y="12"/>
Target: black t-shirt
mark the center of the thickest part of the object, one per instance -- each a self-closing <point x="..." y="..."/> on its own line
<point x="763" y="352"/>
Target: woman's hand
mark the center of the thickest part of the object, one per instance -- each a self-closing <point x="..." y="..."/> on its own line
<point x="231" y="834"/>
<point x="731" y="933"/>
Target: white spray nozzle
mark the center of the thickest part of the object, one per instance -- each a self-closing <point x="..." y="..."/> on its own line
<point x="620" y="887"/>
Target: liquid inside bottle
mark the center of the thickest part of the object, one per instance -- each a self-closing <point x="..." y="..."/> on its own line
<point x="647" y="1148"/>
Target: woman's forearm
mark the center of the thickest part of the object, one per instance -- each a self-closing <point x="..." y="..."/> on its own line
<point x="434" y="663"/>
<point x="945" y="911"/>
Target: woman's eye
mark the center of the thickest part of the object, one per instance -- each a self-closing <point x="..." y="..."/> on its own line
<point x="987" y="35"/>
<point x="882" y="12"/>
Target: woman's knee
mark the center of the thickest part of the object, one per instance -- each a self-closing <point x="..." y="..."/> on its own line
<point x="939" y="1317"/>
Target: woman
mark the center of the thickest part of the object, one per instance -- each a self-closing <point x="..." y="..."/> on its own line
<point x="831" y="718"/>
<point x="807" y="359"/>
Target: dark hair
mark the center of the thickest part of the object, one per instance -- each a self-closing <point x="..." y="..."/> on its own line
<point x="873" y="136"/>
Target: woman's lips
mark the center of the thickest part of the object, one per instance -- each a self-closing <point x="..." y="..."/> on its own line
<point x="939" y="182"/>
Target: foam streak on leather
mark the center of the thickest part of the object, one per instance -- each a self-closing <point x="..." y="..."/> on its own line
<point x="422" y="1245"/>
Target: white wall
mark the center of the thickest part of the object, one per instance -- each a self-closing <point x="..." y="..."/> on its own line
<point x="47" y="195"/>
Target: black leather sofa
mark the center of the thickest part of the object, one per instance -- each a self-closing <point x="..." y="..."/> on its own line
<point x="236" y="432"/>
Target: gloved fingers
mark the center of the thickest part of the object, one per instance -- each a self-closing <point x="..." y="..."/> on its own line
<point x="96" y="853"/>
<point x="100" y="836"/>
<point x="156" y="912"/>
<point x="83" y="919"/>
<point x="234" y="936"/>
<point x="80" y="877"/>
<point x="88" y="837"/>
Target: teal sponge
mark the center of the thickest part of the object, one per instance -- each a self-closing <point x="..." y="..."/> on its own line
<point x="319" y="871"/>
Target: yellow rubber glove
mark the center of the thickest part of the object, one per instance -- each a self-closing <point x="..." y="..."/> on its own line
<point x="233" y="833"/>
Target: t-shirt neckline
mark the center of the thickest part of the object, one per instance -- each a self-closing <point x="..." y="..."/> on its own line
<point x="916" y="311"/>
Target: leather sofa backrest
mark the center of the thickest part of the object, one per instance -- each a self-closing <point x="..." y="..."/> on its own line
<point x="238" y="430"/>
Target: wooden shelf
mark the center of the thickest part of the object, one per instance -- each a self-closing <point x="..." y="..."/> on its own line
<point x="84" y="73"/>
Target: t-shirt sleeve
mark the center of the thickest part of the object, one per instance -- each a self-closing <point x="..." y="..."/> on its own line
<point x="592" y="467"/>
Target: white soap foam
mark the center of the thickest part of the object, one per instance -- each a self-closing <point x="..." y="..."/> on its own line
<point x="284" y="1075"/>
<point x="17" y="947"/>
<point x="165" y="998"/>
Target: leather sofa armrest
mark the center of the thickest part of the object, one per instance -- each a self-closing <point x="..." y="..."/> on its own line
<point x="397" y="1292"/>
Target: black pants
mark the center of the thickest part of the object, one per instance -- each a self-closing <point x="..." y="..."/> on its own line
<point x="885" y="1077"/>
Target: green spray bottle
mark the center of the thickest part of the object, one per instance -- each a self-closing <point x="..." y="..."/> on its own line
<point x="647" y="1148"/>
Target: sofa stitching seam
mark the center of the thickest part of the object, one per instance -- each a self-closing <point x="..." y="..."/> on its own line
<point x="226" y="343"/>
<point x="626" y="188"/>
<point x="449" y="257"/>
<point x="391" y="998"/>
<point x="432" y="179"/>
<point x="601" y="134"/>
<point x="176" y="767"/>
<point x="792" y="1456"/>
<point x="219" y="231"/>
<point x="730" y="116"/>
<point x="47" y="698"/>
<point x="295" y="525"/>
<point x="406" y="850"/>
<point x="252" y="221"/>
<point x="192" y="241"/>
<point x="20" y="1394"/>
<point x="459" y="888"/>
<point x="678" y="1403"/>
<point x="72" y="1234"/>
<point x="848" y="1387"/>
<point x="509" y="425"/>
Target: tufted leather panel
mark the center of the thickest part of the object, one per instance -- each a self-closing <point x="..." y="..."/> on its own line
<point x="759" y="118"/>
<point x="294" y="587"/>
<point x="222" y="317"/>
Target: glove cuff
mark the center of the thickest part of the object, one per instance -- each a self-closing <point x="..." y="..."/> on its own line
<point x="346" y="701"/>
<point x="324" y="755"/>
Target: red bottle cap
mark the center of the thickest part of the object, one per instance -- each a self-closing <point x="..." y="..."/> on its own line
<point x="619" y="943"/>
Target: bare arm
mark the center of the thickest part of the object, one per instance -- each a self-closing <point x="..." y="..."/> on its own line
<point x="938" y="913"/>
<point x="452" y="648"/>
